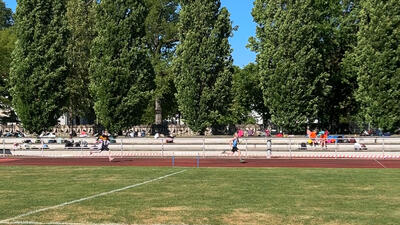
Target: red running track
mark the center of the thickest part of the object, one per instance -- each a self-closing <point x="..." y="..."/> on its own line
<point x="207" y="162"/>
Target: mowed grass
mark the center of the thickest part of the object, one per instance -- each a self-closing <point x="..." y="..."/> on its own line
<point x="202" y="196"/>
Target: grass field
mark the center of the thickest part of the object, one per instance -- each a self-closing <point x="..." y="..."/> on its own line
<point x="200" y="196"/>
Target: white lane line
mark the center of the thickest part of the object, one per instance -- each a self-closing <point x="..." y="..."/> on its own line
<point x="380" y="163"/>
<point x="90" y="197"/>
<point x="55" y="223"/>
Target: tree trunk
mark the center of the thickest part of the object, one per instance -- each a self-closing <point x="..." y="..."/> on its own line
<point x="158" y="112"/>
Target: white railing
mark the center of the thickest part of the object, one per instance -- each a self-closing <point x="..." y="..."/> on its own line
<point x="386" y="147"/>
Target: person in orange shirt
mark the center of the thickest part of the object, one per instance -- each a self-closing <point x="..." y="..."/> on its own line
<point x="323" y="140"/>
<point x="313" y="136"/>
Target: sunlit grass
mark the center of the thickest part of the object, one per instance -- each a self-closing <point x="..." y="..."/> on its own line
<point x="203" y="196"/>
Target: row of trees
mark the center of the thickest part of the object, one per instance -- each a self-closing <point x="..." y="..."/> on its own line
<point x="330" y="61"/>
<point x="124" y="61"/>
<point x="128" y="62"/>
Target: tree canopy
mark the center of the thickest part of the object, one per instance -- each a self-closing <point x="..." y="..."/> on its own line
<point x="39" y="70"/>
<point x="376" y="63"/>
<point x="121" y="73"/>
<point x="161" y="39"/>
<point x="6" y="16"/>
<point x="203" y="64"/>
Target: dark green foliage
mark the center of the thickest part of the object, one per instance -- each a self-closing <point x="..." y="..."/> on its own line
<point x="39" y="68"/>
<point x="376" y="62"/>
<point x="247" y="95"/>
<point x="80" y="19"/>
<point x="6" y="16"/>
<point x="299" y="60"/>
<point x="161" y="38"/>
<point x="7" y="44"/>
<point x="203" y="64"/>
<point x="121" y="73"/>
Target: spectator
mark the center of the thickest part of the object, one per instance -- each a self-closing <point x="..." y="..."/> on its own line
<point x="83" y="133"/>
<point x="240" y="133"/>
<point x="357" y="146"/>
<point x="170" y="139"/>
<point x="251" y="132"/>
<point x="267" y="132"/>
<point x="313" y="136"/>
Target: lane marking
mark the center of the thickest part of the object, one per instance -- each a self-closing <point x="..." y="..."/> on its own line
<point x="8" y="160"/>
<point x="90" y="197"/>
<point x="380" y="163"/>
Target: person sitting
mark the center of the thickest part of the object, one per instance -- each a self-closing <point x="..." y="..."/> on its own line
<point x="250" y="132"/>
<point x="357" y="146"/>
<point x="83" y="133"/>
<point x="170" y="139"/>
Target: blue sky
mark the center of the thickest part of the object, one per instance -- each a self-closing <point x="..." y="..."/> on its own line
<point x="240" y="15"/>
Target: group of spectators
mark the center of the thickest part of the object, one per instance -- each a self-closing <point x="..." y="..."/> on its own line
<point x="7" y="133"/>
<point x="316" y="137"/>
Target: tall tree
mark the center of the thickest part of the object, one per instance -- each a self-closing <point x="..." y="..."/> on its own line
<point x="121" y="73"/>
<point x="161" y="38"/>
<point x="7" y="40"/>
<point x="6" y="16"/>
<point x="295" y="42"/>
<point x="376" y="62"/>
<point x="7" y="44"/>
<point x="342" y="105"/>
<point x="80" y="24"/>
<point x="39" y="69"/>
<point x="203" y="64"/>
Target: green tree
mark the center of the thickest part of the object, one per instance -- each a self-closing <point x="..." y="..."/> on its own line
<point x="39" y="70"/>
<point x="6" y="16"/>
<point x="80" y="24"/>
<point x="121" y="73"/>
<point x="247" y="95"/>
<point x="341" y="105"/>
<point x="296" y="45"/>
<point x="7" y="44"/>
<point x="203" y="64"/>
<point x="376" y="62"/>
<point x="161" y="38"/>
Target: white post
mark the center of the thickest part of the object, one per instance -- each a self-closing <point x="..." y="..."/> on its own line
<point x="122" y="146"/>
<point x="246" y="148"/>
<point x="162" y="147"/>
<point x="336" y="148"/>
<point x="81" y="145"/>
<point x="383" y="147"/>
<point x="269" y="149"/>
<point x="204" y="147"/>
<point x="4" y="148"/>
<point x="42" y="147"/>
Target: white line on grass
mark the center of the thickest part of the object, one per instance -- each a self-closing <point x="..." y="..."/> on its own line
<point x="87" y="198"/>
